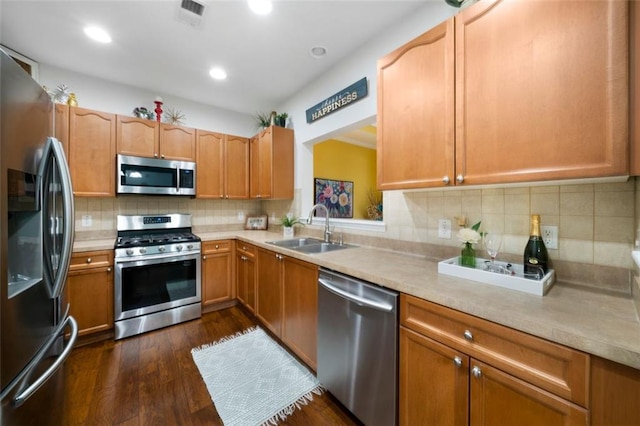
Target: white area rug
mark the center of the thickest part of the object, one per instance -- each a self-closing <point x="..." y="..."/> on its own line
<point x="252" y="380"/>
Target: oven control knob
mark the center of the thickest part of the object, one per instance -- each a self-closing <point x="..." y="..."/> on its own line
<point x="179" y="247"/>
<point x="143" y="250"/>
<point x="189" y="246"/>
<point x="161" y="249"/>
<point x="129" y="252"/>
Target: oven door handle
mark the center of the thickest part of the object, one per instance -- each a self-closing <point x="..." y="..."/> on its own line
<point x="172" y="256"/>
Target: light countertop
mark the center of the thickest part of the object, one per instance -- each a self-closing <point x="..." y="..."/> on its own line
<point x="597" y="322"/>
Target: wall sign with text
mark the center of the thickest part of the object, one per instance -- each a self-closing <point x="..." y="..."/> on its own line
<point x="343" y="98"/>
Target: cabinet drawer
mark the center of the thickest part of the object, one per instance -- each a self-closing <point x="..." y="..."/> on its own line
<point x="550" y="366"/>
<point x="91" y="259"/>
<point x="246" y="249"/>
<point x="211" y="247"/>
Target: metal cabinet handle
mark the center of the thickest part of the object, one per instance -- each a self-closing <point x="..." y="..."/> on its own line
<point x="88" y="260"/>
<point x="243" y="258"/>
<point x="459" y="178"/>
<point x="457" y="361"/>
<point x="204" y="257"/>
<point x="155" y="154"/>
<point x="162" y="156"/>
<point x="468" y="336"/>
<point x="477" y="373"/>
<point x="217" y="246"/>
<point x="446" y="180"/>
<point x="109" y="269"/>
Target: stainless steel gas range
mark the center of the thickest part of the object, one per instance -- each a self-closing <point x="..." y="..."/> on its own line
<point x="157" y="273"/>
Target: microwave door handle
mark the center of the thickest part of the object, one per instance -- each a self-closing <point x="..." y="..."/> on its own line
<point x="178" y="180"/>
<point x="68" y="216"/>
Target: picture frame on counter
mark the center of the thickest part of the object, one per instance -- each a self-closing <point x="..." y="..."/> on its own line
<point x="256" y="222"/>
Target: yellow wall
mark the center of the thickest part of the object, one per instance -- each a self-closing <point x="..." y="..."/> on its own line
<point x="342" y="161"/>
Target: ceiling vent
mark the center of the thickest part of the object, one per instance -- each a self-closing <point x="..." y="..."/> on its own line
<point x="191" y="12"/>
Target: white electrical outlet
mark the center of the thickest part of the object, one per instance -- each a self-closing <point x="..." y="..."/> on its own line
<point x="240" y="216"/>
<point x="444" y="228"/>
<point x="550" y="236"/>
<point x="86" y="220"/>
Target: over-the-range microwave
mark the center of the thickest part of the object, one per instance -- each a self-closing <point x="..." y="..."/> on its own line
<point x="142" y="175"/>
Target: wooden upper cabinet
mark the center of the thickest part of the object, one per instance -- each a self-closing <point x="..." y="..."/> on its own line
<point x="272" y="164"/>
<point x="223" y="165"/>
<point x="92" y="152"/>
<point x="237" y="167"/>
<point x="541" y="90"/>
<point x="148" y="138"/>
<point x="634" y="89"/>
<point x="177" y="142"/>
<point x="137" y="136"/>
<point x="61" y="123"/>
<point x="210" y="164"/>
<point x="416" y="112"/>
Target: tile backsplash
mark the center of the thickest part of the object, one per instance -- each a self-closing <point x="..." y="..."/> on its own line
<point x="596" y="222"/>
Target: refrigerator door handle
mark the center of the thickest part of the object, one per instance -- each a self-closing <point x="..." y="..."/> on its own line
<point x="68" y="216"/>
<point x="28" y="392"/>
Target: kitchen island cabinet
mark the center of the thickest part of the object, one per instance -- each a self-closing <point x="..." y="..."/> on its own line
<point x="92" y="152"/>
<point x="486" y="374"/>
<point x="149" y="138"/>
<point x="223" y="166"/>
<point x="90" y="291"/>
<point x="541" y="93"/>
<point x="217" y="274"/>
<point x="271" y="163"/>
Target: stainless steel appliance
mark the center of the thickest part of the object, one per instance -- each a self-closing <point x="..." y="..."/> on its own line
<point x="157" y="279"/>
<point x="36" y="236"/>
<point x="358" y="346"/>
<point x="155" y="176"/>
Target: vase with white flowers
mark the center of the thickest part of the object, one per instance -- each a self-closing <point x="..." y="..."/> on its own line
<point x="469" y="237"/>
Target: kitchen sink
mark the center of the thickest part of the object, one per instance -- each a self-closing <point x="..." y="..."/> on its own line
<point x="309" y="245"/>
<point x="295" y="243"/>
<point x="322" y="247"/>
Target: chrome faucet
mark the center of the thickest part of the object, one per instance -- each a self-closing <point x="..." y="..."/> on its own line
<point x="327" y="230"/>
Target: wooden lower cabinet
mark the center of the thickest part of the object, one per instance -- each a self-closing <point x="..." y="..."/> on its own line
<point x="269" y="290"/>
<point x="287" y="302"/>
<point x="217" y="272"/>
<point x="456" y="369"/>
<point x="300" y="309"/>
<point x="615" y="394"/>
<point x="246" y="275"/>
<point x="90" y="290"/>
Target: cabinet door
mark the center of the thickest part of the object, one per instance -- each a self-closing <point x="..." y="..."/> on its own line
<point x="269" y="290"/>
<point x="416" y="112"/>
<point x="210" y="164"/>
<point x="541" y="90"/>
<point x="237" y="167"/>
<point x="281" y="185"/>
<point x="137" y="136"/>
<point x="434" y="382"/>
<point x="254" y="167"/>
<point x="216" y="272"/>
<point x="265" y="141"/>
<point x="61" y="130"/>
<point x="634" y="89"/>
<point x="177" y="142"/>
<point x="92" y="152"/>
<point x="300" y="309"/>
<point x="615" y="393"/>
<point x="90" y="290"/>
<point x="500" y="399"/>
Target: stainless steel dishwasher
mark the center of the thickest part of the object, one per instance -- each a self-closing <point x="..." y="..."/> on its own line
<point x="358" y="346"/>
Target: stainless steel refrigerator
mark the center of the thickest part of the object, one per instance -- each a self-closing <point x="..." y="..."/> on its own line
<point x="36" y="238"/>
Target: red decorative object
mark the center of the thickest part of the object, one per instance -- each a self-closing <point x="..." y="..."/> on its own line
<point x="158" y="109"/>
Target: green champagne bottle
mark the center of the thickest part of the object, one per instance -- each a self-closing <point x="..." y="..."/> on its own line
<point x="535" y="253"/>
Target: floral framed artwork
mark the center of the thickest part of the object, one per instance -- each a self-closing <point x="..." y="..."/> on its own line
<point x="336" y="196"/>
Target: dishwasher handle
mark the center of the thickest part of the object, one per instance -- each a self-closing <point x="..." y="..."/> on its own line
<point x="385" y="307"/>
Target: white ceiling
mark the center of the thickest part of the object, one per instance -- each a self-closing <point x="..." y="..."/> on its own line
<point x="267" y="58"/>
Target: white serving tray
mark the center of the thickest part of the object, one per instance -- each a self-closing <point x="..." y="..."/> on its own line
<point x="512" y="282"/>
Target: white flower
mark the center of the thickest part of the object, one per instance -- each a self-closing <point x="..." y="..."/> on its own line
<point x="468" y="235"/>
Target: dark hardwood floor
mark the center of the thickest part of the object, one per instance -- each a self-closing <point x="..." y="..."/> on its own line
<point x="151" y="379"/>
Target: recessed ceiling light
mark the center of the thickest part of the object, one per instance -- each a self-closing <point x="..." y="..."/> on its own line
<point x="260" y="7"/>
<point x="318" y="51"/>
<point x="217" y="73"/>
<point x="97" y="34"/>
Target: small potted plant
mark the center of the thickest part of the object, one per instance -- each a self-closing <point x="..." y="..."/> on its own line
<point x="468" y="237"/>
<point x="281" y="119"/>
<point x="288" y="221"/>
<point x="263" y="120"/>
